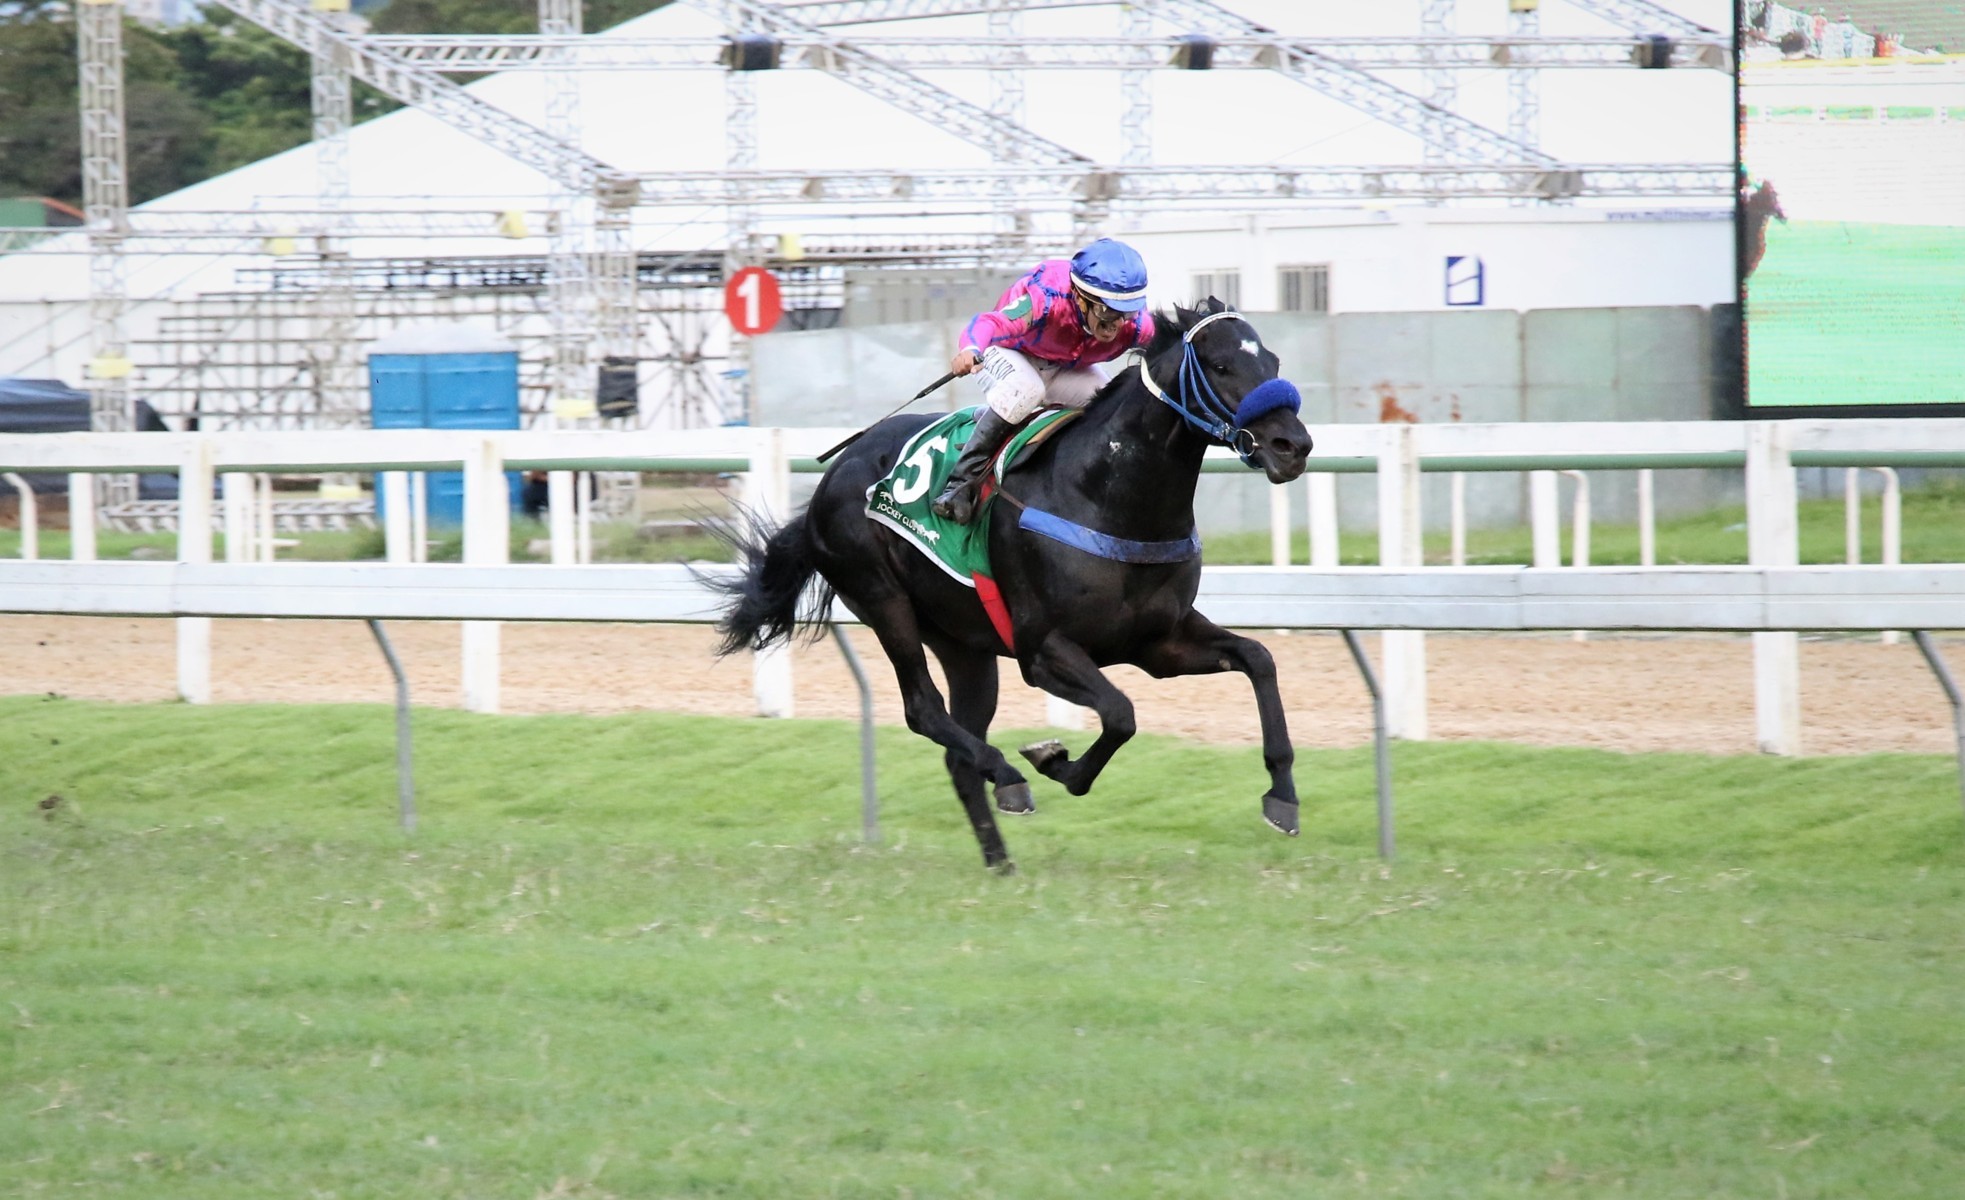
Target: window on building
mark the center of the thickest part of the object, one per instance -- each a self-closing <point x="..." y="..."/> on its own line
<point x="1304" y="288"/>
<point x="1225" y="286"/>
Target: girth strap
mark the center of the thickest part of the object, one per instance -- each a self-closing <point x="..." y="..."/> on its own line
<point x="1104" y="545"/>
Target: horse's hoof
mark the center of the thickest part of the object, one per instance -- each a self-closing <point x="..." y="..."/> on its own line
<point x="1045" y="755"/>
<point x="1015" y="798"/>
<point x="1004" y="869"/>
<point x="1280" y="814"/>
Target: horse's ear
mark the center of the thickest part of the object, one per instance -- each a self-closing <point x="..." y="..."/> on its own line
<point x="1211" y="306"/>
<point x="1184" y="317"/>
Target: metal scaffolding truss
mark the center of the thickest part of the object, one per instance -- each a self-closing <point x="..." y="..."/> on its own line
<point x="428" y="90"/>
<point x="1642" y="16"/>
<point x="478" y="53"/>
<point x="1300" y="61"/>
<point x="900" y="88"/>
<point x="861" y="12"/>
<point x="1199" y="185"/>
<point x="593" y="292"/>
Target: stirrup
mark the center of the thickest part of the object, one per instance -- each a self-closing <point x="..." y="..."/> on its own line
<point x="958" y="503"/>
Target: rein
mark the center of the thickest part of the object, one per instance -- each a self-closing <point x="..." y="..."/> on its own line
<point x="1195" y="398"/>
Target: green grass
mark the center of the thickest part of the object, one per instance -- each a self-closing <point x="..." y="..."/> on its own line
<point x="646" y="956"/>
<point x="1933" y="531"/>
<point x="1843" y="313"/>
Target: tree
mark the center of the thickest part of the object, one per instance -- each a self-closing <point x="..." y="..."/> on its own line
<point x="203" y="98"/>
<point x="40" y="127"/>
<point x="255" y="88"/>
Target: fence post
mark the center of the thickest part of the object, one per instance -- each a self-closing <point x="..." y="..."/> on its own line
<point x="559" y="516"/>
<point x="1399" y="545"/>
<point x="1323" y="519"/>
<point x="194" y="545"/>
<point x="1647" y="520"/>
<point x="767" y="489"/>
<point x="30" y="518"/>
<point x="1279" y="525"/>
<point x="236" y="489"/>
<point x="398" y="523"/>
<point x="1457" y="537"/>
<point x="262" y="508"/>
<point x="1893" y="531"/>
<point x="82" y="518"/>
<point x="487" y="542"/>
<point x="1774" y="540"/>
<point x="1544" y="525"/>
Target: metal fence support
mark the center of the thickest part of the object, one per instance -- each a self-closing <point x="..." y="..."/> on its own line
<point x="869" y="798"/>
<point x="405" y="773"/>
<point x="1381" y="748"/>
<point x="1931" y="655"/>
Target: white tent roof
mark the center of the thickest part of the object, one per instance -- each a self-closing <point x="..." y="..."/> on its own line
<point x="648" y="121"/>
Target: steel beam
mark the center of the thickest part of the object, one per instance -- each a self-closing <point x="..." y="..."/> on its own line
<point x="422" y="88"/>
<point x="1187" y="184"/>
<point x="1642" y="16"/>
<point x="105" y="204"/>
<point x="893" y="85"/>
<point x="1300" y="61"/>
<point x="1131" y="51"/>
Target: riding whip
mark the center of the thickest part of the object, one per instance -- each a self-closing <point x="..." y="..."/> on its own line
<point x="903" y="404"/>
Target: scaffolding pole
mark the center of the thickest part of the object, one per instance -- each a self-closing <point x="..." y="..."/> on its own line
<point x="740" y="149"/>
<point x="1135" y="100"/>
<point x="1442" y="143"/>
<point x="335" y="377"/>
<point x="1525" y="84"/>
<point x="1006" y="104"/>
<point x="567" y="281"/>
<point x="105" y="205"/>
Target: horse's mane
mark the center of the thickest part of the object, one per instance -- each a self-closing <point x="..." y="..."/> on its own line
<point x="1171" y="325"/>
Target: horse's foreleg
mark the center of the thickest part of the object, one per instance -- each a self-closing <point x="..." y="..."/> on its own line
<point x="1200" y="647"/>
<point x="972" y="688"/>
<point x="892" y="621"/>
<point x="1062" y="668"/>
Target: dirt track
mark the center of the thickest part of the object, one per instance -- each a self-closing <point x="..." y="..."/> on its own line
<point x="1626" y="693"/>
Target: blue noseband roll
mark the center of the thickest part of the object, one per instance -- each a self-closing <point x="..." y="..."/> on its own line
<point x="1268" y="396"/>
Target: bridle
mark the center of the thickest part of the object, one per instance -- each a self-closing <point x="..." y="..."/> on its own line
<point x="1195" y="398"/>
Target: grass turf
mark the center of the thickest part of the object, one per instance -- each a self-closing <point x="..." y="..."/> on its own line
<point x="1844" y="313"/>
<point x="1933" y="531"/>
<point x="646" y="956"/>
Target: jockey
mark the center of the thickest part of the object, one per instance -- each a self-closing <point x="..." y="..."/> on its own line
<point x="1040" y="348"/>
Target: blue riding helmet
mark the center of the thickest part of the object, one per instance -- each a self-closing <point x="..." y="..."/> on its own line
<point x="1112" y="272"/>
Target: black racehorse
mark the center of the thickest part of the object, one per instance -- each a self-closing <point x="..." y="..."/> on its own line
<point x="1094" y="550"/>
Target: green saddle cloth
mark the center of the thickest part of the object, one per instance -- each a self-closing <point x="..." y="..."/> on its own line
<point x="900" y="501"/>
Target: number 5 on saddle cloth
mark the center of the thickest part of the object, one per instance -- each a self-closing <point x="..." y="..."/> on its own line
<point x="900" y="501"/>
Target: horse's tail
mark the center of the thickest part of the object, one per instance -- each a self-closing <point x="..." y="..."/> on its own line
<point x="764" y="607"/>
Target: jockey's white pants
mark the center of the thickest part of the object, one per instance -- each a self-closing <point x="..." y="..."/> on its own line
<point x="1017" y="385"/>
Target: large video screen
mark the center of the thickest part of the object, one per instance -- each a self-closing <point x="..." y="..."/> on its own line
<point x="1852" y="204"/>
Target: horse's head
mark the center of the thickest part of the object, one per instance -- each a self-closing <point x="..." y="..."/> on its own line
<point x="1210" y="364"/>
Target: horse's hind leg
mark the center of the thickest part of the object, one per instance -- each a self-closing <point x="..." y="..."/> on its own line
<point x="892" y="621"/>
<point x="972" y="692"/>
<point x="1198" y="646"/>
<point x="1062" y="668"/>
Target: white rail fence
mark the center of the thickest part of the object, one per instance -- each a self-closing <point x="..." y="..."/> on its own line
<point x="1771" y="598"/>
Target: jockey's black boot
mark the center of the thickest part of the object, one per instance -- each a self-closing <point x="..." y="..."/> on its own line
<point x="957" y="502"/>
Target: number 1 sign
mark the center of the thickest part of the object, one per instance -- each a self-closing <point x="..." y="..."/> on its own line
<point x="753" y="301"/>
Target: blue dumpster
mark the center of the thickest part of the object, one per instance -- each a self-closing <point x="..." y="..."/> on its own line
<point x="445" y="377"/>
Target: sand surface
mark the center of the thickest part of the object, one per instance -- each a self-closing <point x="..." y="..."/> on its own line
<point x="1626" y="693"/>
